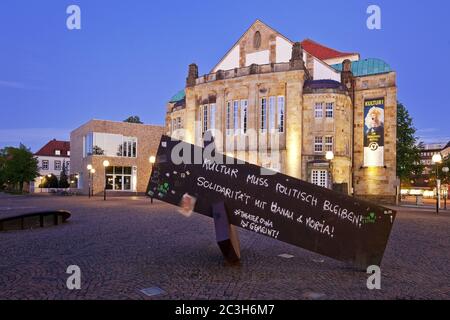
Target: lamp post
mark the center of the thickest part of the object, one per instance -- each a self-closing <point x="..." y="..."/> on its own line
<point x="105" y="166"/>
<point x="89" y="168"/>
<point x="330" y="156"/>
<point x="92" y="177"/>
<point x="437" y="158"/>
<point x="445" y="170"/>
<point x="152" y="161"/>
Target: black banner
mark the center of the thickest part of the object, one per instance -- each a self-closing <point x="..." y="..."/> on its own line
<point x="276" y="205"/>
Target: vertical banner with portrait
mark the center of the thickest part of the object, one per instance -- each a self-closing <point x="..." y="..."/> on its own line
<point x="374" y="133"/>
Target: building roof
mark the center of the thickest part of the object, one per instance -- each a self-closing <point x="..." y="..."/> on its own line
<point x="322" y="52"/>
<point x="366" y="67"/>
<point x="179" y="96"/>
<point x="49" y="149"/>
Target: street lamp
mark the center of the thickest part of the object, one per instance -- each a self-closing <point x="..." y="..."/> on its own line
<point x="437" y="158"/>
<point x="89" y="168"/>
<point x="330" y="156"/>
<point x="152" y="161"/>
<point x="105" y="165"/>
<point x="445" y="170"/>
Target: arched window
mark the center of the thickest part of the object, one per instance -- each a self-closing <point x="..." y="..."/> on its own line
<point x="257" y="40"/>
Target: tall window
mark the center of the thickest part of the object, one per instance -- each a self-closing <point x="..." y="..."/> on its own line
<point x="281" y="114"/>
<point x="319" y="178"/>
<point x="57" y="165"/>
<point x="318" y="144"/>
<point x="174" y="125"/>
<point x="57" y="152"/>
<point x="212" y="120"/>
<point x="178" y="125"/>
<point x="129" y="147"/>
<point x="318" y="110"/>
<point x="44" y="164"/>
<point x="328" y="143"/>
<point x="263" y="115"/>
<point x="272" y="101"/>
<point x="329" y="110"/>
<point x="244" y="107"/>
<point x="119" y="178"/>
<point x="228" y="118"/>
<point x="236" y="116"/>
<point x="205" y="119"/>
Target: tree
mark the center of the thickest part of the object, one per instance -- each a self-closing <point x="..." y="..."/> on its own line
<point x="63" y="179"/>
<point x="408" y="150"/>
<point x="49" y="182"/>
<point x="2" y="168"/>
<point x="19" y="166"/>
<point x="133" y="119"/>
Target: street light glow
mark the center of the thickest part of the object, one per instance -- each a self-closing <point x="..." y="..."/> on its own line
<point x="92" y="170"/>
<point x="445" y="169"/>
<point x="329" y="155"/>
<point x="437" y="158"/>
<point x="89" y="167"/>
<point x="106" y="163"/>
<point x="152" y="159"/>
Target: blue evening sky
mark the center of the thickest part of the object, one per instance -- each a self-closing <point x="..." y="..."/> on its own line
<point x="130" y="57"/>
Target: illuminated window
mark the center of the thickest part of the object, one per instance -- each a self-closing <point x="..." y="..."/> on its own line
<point x="319" y="178"/>
<point x="57" y="152"/>
<point x="236" y="116"/>
<point x="281" y="114"/>
<point x="272" y="102"/>
<point x="318" y="144"/>
<point x="318" y="110"/>
<point x="119" y="178"/>
<point x="328" y="143"/>
<point x="244" y="107"/>
<point x="228" y="118"/>
<point x="212" y="120"/>
<point x="329" y="110"/>
<point x="263" y="115"/>
<point x="205" y="119"/>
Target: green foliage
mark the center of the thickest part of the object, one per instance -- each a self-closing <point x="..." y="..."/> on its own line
<point x="63" y="179"/>
<point x="17" y="166"/>
<point x="408" y="151"/>
<point x="133" y="119"/>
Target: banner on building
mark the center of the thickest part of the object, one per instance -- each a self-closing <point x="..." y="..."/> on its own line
<point x="277" y="206"/>
<point x="374" y="133"/>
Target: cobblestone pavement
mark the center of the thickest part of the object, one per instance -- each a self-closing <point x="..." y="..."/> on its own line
<point x="125" y="245"/>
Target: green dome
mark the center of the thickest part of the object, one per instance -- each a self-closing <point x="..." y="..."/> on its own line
<point x="178" y="97"/>
<point x="366" y="67"/>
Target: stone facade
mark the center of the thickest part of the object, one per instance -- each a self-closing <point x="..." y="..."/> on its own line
<point x="261" y="71"/>
<point x="148" y="137"/>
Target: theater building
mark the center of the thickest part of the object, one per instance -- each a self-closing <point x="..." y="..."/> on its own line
<point x="126" y="146"/>
<point x="300" y="108"/>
